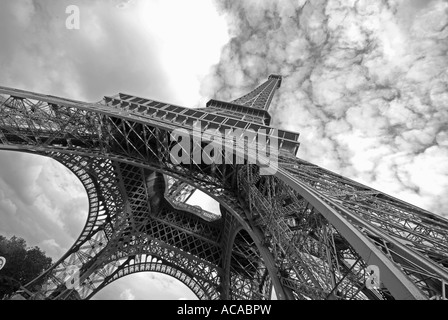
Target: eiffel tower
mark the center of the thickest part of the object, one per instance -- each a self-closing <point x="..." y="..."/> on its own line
<point x="303" y="232"/>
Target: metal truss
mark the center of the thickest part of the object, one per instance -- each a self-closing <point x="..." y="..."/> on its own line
<point x="304" y="231"/>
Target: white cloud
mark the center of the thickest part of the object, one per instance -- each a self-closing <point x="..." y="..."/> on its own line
<point x="127" y="295"/>
<point x="188" y="38"/>
<point x="146" y="286"/>
<point x="40" y="200"/>
<point x="23" y="11"/>
<point x="52" y="249"/>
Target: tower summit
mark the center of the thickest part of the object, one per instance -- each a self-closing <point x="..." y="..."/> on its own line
<point x="252" y="107"/>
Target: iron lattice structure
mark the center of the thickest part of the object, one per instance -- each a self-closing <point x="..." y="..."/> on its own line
<point x="305" y="232"/>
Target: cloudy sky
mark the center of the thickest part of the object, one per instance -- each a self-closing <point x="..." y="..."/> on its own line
<point x="365" y="83"/>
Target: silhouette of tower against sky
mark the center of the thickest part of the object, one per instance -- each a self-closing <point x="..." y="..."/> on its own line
<point x="301" y="231"/>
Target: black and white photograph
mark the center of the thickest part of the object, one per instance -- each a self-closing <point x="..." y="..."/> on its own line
<point x="245" y="151"/>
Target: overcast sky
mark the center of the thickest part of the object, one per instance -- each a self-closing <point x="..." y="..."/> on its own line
<point x="365" y="83"/>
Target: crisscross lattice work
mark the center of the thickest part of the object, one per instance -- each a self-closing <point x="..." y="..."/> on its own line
<point x="306" y="231"/>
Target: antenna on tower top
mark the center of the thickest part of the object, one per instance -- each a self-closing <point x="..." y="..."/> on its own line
<point x="276" y="76"/>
